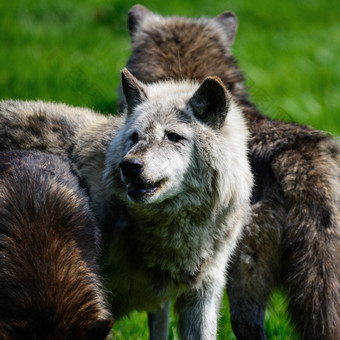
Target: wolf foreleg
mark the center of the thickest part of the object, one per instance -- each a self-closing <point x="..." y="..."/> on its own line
<point x="255" y="269"/>
<point x="159" y="323"/>
<point x="198" y="312"/>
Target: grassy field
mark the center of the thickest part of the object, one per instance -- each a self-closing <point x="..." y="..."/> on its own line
<point x="72" y="52"/>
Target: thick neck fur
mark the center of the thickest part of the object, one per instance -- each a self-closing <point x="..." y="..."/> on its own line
<point x="163" y="232"/>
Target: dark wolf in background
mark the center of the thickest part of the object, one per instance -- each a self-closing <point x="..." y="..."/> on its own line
<point x="294" y="235"/>
<point x="170" y="184"/>
<point x="50" y="288"/>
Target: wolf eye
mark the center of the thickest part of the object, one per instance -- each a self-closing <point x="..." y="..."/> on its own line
<point x="173" y="137"/>
<point x="134" y="137"/>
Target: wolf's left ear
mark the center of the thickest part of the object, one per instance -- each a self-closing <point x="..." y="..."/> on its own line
<point x="228" y="20"/>
<point x="210" y="102"/>
<point x="134" y="90"/>
<point x="136" y="15"/>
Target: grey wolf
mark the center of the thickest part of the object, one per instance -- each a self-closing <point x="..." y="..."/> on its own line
<point x="78" y="134"/>
<point x="50" y="287"/>
<point x="293" y="238"/>
<point x="169" y="182"/>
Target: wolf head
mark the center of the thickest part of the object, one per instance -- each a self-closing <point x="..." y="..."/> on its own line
<point x="180" y="48"/>
<point x="139" y="15"/>
<point x="50" y="288"/>
<point x="178" y="142"/>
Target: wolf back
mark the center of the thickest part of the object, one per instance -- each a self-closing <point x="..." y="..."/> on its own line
<point x="50" y="287"/>
<point x="293" y="236"/>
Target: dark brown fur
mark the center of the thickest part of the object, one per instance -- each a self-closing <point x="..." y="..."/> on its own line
<point x="50" y="287"/>
<point x="294" y="236"/>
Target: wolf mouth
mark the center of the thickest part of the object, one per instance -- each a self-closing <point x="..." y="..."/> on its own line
<point x="138" y="189"/>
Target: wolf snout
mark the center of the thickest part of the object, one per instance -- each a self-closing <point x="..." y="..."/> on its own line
<point x="131" y="166"/>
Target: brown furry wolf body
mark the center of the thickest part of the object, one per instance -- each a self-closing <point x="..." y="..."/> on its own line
<point x="50" y="287"/>
<point x="170" y="183"/>
<point x="294" y="235"/>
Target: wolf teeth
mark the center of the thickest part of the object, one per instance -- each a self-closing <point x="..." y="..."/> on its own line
<point x="140" y="188"/>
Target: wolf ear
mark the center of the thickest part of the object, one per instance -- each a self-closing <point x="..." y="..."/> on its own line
<point x="228" y="20"/>
<point x="210" y="102"/>
<point x="99" y="330"/>
<point x="136" y="15"/>
<point x="134" y="90"/>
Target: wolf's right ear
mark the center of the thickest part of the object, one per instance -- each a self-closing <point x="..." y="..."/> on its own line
<point x="228" y="20"/>
<point x="210" y="102"/>
<point x="134" y="90"/>
<point x="136" y="15"/>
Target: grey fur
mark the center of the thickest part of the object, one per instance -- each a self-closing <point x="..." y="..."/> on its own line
<point x="169" y="185"/>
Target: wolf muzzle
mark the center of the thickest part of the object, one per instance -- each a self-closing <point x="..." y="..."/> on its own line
<point x="131" y="167"/>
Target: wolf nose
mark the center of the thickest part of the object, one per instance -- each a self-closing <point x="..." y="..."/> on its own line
<point x="131" y="167"/>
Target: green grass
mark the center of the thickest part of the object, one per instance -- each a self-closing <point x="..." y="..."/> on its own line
<point x="277" y="323"/>
<point x="72" y="51"/>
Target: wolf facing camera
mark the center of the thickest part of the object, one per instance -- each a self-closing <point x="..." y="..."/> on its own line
<point x="169" y="182"/>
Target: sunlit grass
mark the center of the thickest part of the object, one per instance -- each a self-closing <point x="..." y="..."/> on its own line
<point x="278" y="325"/>
<point x="72" y="51"/>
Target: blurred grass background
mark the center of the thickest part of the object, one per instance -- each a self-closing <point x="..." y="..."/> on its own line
<point x="72" y="51"/>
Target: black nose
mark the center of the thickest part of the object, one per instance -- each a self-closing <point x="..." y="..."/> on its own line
<point x="131" y="166"/>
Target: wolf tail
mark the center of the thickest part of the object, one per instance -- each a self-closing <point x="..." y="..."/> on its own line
<point x="311" y="240"/>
